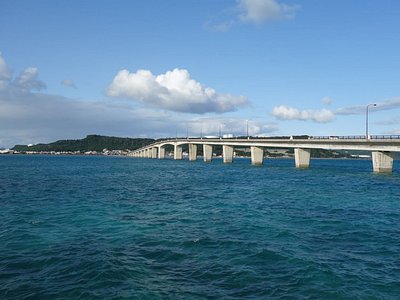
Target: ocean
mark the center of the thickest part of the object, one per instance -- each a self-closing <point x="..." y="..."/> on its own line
<point x="94" y="227"/>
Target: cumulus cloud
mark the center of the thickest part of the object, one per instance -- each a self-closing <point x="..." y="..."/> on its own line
<point x="68" y="83"/>
<point x="28" y="80"/>
<point x="175" y="90"/>
<point x="389" y="104"/>
<point x="283" y="112"/>
<point x="265" y="10"/>
<point x="30" y="116"/>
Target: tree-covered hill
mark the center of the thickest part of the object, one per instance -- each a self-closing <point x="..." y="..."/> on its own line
<point x="89" y="143"/>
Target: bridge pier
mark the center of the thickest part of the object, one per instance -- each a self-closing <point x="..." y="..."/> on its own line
<point x="382" y="162"/>
<point x="147" y="153"/>
<point x="207" y="152"/>
<point x="302" y="157"/>
<point x="161" y="153"/>
<point x="178" y="152"/>
<point x="154" y="152"/>
<point x="227" y="153"/>
<point x="192" y="152"/>
<point x="257" y="155"/>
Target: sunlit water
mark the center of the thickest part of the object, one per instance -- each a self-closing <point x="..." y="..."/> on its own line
<point x="109" y="227"/>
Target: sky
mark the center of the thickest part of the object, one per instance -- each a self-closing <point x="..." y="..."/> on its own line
<point x="171" y="68"/>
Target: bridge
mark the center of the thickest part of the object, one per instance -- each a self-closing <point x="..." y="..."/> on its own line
<point x="383" y="148"/>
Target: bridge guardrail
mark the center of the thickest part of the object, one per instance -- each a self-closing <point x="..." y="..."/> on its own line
<point x="356" y="137"/>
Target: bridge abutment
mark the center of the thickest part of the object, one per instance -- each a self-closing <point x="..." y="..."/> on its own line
<point x="207" y="152"/>
<point x="192" y="152"/>
<point x="178" y="152"/>
<point x="382" y="162"/>
<point x="257" y="155"/>
<point x="227" y="153"/>
<point x="302" y="157"/>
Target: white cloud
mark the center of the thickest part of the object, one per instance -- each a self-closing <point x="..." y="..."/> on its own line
<point x="68" y="83"/>
<point x="265" y="10"/>
<point x="174" y="90"/>
<point x="5" y="73"/>
<point x="389" y="104"/>
<point x="284" y="112"/>
<point x="28" y="116"/>
<point x="251" y="11"/>
<point x="28" y="80"/>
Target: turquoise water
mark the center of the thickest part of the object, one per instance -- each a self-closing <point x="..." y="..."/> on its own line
<point x="111" y="227"/>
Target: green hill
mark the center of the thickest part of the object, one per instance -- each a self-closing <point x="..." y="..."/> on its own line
<point x="89" y="143"/>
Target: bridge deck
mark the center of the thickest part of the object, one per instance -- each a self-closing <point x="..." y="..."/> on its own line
<point x="381" y="144"/>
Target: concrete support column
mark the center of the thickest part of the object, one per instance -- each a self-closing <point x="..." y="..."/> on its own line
<point x="146" y="153"/>
<point x="257" y="155"/>
<point x="178" y="152"/>
<point x="302" y="157"/>
<point x="227" y="153"/>
<point x="161" y="153"/>
<point x="192" y="152"/>
<point x="154" y="152"/>
<point x="382" y="162"/>
<point x="207" y="152"/>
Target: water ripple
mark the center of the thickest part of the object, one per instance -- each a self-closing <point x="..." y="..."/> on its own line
<point x="98" y="227"/>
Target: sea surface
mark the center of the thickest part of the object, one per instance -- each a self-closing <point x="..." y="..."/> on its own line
<point x="79" y="227"/>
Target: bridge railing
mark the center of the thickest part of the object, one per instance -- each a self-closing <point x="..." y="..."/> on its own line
<point x="356" y="137"/>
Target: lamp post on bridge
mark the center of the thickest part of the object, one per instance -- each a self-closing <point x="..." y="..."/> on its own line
<point x="247" y="129"/>
<point x="366" y="120"/>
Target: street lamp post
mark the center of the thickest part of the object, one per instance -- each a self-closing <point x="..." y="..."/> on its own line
<point x="366" y="120"/>
<point x="247" y="129"/>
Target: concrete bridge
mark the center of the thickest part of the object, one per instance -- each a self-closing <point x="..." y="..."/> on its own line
<point x="383" y="148"/>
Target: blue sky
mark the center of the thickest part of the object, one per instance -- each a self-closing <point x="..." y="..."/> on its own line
<point x="153" y="68"/>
